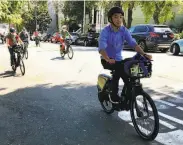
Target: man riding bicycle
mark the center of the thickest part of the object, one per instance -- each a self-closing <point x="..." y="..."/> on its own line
<point x="111" y="42"/>
<point x="65" y="34"/>
<point x="12" y="40"/>
<point x="24" y="36"/>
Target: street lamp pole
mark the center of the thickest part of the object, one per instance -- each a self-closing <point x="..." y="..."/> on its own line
<point x="36" y="16"/>
<point x="84" y="16"/>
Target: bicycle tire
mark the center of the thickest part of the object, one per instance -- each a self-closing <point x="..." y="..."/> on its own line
<point x="26" y="54"/>
<point x="22" y="67"/>
<point x="104" y="98"/>
<point x="70" y="50"/>
<point x="62" y="54"/>
<point x="155" y="132"/>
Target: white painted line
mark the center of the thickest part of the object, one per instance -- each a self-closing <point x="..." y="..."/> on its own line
<point x="180" y="108"/>
<point x="171" y="95"/>
<point x="166" y="116"/>
<point x="168" y="125"/>
<point x="165" y="102"/>
<point x="171" y="118"/>
<point x="168" y="138"/>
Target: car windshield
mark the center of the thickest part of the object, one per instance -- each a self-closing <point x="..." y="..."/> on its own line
<point x="162" y="29"/>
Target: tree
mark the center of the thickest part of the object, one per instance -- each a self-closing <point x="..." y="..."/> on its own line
<point x="130" y="6"/>
<point x="161" y="11"/>
<point x="36" y="11"/>
<point x="11" y="12"/>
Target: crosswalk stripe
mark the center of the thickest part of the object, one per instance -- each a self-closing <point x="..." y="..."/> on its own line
<point x="180" y="108"/>
<point x="171" y="95"/>
<point x="165" y="102"/>
<point x="171" y="118"/>
<point x="126" y="117"/>
<point x="168" y="125"/>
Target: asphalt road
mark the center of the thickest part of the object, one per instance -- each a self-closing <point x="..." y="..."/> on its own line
<point x="56" y="103"/>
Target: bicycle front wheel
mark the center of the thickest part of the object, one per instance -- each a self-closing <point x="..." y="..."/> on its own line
<point x="70" y="52"/>
<point x="145" y="116"/>
<point x="22" y="67"/>
<point x="26" y="54"/>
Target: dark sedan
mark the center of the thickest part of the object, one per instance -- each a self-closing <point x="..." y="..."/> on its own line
<point x="152" y="37"/>
<point x="89" y="39"/>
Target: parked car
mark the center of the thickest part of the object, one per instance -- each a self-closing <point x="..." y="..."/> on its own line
<point x="89" y="39"/>
<point x="176" y="47"/>
<point x="152" y="37"/>
<point x="74" y="37"/>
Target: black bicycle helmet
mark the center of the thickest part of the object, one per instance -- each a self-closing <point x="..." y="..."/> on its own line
<point x="12" y="30"/>
<point x="113" y="11"/>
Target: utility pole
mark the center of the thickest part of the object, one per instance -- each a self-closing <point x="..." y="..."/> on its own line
<point x="36" y="16"/>
<point x="84" y="17"/>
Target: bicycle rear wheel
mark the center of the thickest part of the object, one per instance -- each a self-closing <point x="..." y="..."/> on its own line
<point x="70" y="52"/>
<point x="104" y="101"/>
<point x="144" y="114"/>
<point x="62" y="54"/>
<point x="22" y="67"/>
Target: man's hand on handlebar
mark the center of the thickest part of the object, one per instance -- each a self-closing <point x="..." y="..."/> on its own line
<point x="111" y="61"/>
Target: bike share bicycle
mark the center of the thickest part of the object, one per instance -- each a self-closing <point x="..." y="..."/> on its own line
<point x="18" y="59"/>
<point x="68" y="49"/>
<point x="140" y="104"/>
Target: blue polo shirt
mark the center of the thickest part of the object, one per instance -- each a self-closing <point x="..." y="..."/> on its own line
<point x="112" y="42"/>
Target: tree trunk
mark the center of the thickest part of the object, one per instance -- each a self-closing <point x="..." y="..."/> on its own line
<point x="57" y="27"/>
<point x="130" y="13"/>
<point x="156" y="15"/>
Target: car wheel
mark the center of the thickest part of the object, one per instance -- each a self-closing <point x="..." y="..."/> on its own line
<point x="142" y="44"/>
<point x="175" y="49"/>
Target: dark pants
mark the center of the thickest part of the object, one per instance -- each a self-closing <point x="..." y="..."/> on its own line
<point x="119" y="72"/>
<point x="12" y="56"/>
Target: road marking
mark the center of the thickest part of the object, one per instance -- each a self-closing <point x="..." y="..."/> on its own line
<point x="171" y="95"/>
<point x="165" y="115"/>
<point x="165" y="102"/>
<point x="124" y="115"/>
<point x="168" y="125"/>
<point x="180" y="108"/>
<point x="171" y="118"/>
<point x="168" y="138"/>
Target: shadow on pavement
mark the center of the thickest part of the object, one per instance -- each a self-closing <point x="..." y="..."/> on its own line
<point x="1" y="89"/>
<point x="7" y="74"/>
<point x="63" y="114"/>
<point x="57" y="58"/>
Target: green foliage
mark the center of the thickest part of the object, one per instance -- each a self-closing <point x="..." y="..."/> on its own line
<point x="36" y="10"/>
<point x="161" y="11"/>
<point x="11" y="11"/>
<point x="73" y="10"/>
<point x="176" y="36"/>
<point x="181" y="35"/>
